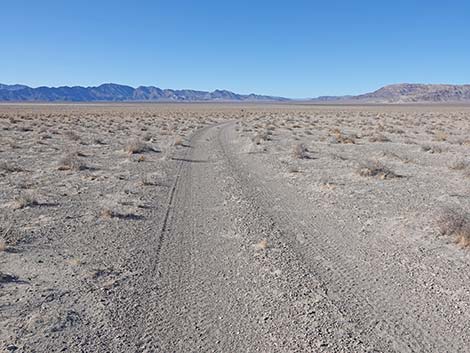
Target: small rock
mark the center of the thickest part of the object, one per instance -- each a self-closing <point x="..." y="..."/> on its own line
<point x="12" y="348"/>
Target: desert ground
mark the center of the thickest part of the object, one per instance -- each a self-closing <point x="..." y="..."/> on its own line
<point x="234" y="228"/>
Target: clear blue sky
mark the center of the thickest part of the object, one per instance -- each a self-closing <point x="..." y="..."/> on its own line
<point x="290" y="48"/>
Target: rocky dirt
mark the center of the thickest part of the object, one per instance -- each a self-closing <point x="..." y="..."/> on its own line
<point x="228" y="228"/>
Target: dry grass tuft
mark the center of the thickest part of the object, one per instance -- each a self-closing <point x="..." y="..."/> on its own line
<point x="342" y="137"/>
<point x="178" y="141"/>
<point x="300" y="151"/>
<point x="26" y="199"/>
<point x="459" y="164"/>
<point x="379" y="138"/>
<point x="260" y="138"/>
<point x="293" y="169"/>
<point x="107" y="213"/>
<point x="72" y="135"/>
<point x="441" y="136"/>
<point x="136" y="146"/>
<point x="262" y="245"/>
<point x="376" y="169"/>
<point x="71" y="162"/>
<point x="456" y="223"/>
<point x="328" y="185"/>
<point x="432" y="148"/>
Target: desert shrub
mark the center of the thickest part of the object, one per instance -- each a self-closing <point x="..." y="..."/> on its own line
<point x="459" y="164"/>
<point x="72" y="135"/>
<point x="261" y="245"/>
<point x="260" y="137"/>
<point x="375" y="169"/>
<point x="341" y="137"/>
<point x="379" y="138"/>
<point x="25" y="200"/>
<point x="441" y="136"/>
<point x="147" y="136"/>
<point x="136" y="146"/>
<point x="299" y="151"/>
<point x="178" y="141"/>
<point x="432" y="148"/>
<point x="71" y="162"/>
<point x="98" y="141"/>
<point x="107" y="213"/>
<point x="454" y="222"/>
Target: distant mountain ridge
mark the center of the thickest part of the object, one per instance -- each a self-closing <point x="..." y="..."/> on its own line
<point x="408" y="93"/>
<point x="111" y="92"/>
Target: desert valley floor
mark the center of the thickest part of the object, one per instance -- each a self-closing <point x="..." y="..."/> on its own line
<point x="234" y="228"/>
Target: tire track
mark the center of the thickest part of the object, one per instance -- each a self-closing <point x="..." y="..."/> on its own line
<point x="215" y="292"/>
<point x="382" y="312"/>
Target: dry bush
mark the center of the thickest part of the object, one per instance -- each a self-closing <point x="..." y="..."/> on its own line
<point x="432" y="148"/>
<point x="23" y="200"/>
<point x="262" y="245"/>
<point x="107" y="213"/>
<point x="147" y="136"/>
<point x="136" y="146"/>
<point x="98" y="141"/>
<point x="260" y="138"/>
<point x="293" y="169"/>
<point x="341" y="137"/>
<point x="328" y="185"/>
<point x="148" y="181"/>
<point x="453" y="222"/>
<point x="299" y="151"/>
<point x="71" y="162"/>
<point x="441" y="136"/>
<point x="376" y="169"/>
<point x="379" y="138"/>
<point x="178" y="141"/>
<point x="72" y="135"/>
<point x="459" y="164"/>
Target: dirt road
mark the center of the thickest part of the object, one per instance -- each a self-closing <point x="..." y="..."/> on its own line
<point x="237" y="260"/>
<point x="315" y="283"/>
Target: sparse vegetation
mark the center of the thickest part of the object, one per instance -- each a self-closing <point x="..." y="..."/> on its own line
<point x="26" y="199"/>
<point x="300" y="151"/>
<point x="455" y="222"/>
<point x="376" y="169"/>
<point x="459" y="164"/>
<point x="341" y="137"/>
<point x="432" y="148"/>
<point x="136" y="146"/>
<point x="379" y="138"/>
<point x="261" y="245"/>
<point x="71" y="161"/>
<point x="178" y="141"/>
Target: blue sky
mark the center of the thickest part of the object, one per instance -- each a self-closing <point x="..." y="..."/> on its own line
<point x="290" y="48"/>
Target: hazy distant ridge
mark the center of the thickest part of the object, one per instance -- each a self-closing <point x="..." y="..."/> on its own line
<point x="114" y="92"/>
<point x="408" y="93"/>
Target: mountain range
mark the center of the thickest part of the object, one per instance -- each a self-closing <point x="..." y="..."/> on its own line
<point x="110" y="92"/>
<point x="407" y="93"/>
